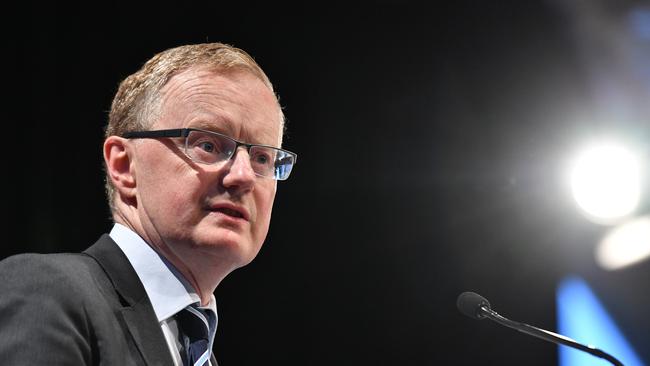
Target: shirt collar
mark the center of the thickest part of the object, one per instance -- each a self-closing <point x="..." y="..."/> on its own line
<point x="168" y="291"/>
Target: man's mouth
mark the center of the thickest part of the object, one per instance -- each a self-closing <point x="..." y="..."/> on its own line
<point x="229" y="212"/>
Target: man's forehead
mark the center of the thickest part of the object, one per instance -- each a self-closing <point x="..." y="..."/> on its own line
<point x="200" y="72"/>
<point x="253" y="124"/>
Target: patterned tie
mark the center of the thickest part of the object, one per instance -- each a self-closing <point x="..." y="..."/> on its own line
<point x="197" y="328"/>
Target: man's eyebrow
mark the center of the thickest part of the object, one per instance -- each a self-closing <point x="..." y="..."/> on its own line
<point x="214" y="124"/>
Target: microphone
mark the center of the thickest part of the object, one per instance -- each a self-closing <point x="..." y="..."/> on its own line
<point x="477" y="307"/>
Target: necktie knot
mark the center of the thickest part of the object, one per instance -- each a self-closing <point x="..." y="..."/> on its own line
<point x="197" y="328"/>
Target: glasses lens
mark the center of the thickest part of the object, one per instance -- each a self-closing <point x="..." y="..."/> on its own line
<point x="209" y="148"/>
<point x="270" y="162"/>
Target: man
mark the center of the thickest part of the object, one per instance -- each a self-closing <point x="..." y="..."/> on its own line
<point x="192" y="155"/>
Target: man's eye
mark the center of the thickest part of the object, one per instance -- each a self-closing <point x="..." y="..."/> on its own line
<point x="261" y="158"/>
<point x="206" y="146"/>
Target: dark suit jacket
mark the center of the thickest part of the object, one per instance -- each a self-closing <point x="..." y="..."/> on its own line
<point x="88" y="308"/>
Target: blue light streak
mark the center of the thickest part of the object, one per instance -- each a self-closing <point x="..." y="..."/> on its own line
<point x="581" y="316"/>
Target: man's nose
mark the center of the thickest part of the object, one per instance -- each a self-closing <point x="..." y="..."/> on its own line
<point x="240" y="172"/>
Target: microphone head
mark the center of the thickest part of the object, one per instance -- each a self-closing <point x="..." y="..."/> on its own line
<point x="470" y="304"/>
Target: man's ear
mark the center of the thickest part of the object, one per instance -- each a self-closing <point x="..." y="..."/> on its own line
<point x="117" y="156"/>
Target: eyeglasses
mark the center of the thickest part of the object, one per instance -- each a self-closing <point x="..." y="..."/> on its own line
<point x="206" y="147"/>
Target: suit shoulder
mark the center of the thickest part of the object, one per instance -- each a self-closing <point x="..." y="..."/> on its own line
<point x="63" y="261"/>
<point x="53" y="270"/>
<point x="45" y="301"/>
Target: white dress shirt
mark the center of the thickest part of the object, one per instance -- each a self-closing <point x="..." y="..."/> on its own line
<point x="168" y="291"/>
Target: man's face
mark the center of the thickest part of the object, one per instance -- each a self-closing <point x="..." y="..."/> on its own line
<point x="192" y="211"/>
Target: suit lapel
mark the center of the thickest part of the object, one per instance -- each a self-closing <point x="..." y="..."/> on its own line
<point x="148" y="339"/>
<point x="138" y="314"/>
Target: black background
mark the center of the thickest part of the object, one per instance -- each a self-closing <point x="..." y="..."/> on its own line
<point x="432" y="140"/>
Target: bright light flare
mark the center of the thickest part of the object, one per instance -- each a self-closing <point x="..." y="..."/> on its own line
<point x="625" y="245"/>
<point x="605" y="182"/>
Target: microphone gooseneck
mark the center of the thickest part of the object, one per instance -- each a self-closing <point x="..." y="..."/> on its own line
<point x="476" y="306"/>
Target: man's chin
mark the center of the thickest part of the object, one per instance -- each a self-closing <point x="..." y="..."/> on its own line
<point x="233" y="246"/>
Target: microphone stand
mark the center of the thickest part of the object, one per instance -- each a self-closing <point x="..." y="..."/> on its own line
<point x="546" y="335"/>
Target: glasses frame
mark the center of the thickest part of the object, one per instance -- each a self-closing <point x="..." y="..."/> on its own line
<point x="185" y="132"/>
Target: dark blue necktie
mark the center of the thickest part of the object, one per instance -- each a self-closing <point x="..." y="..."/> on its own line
<point x="197" y="328"/>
